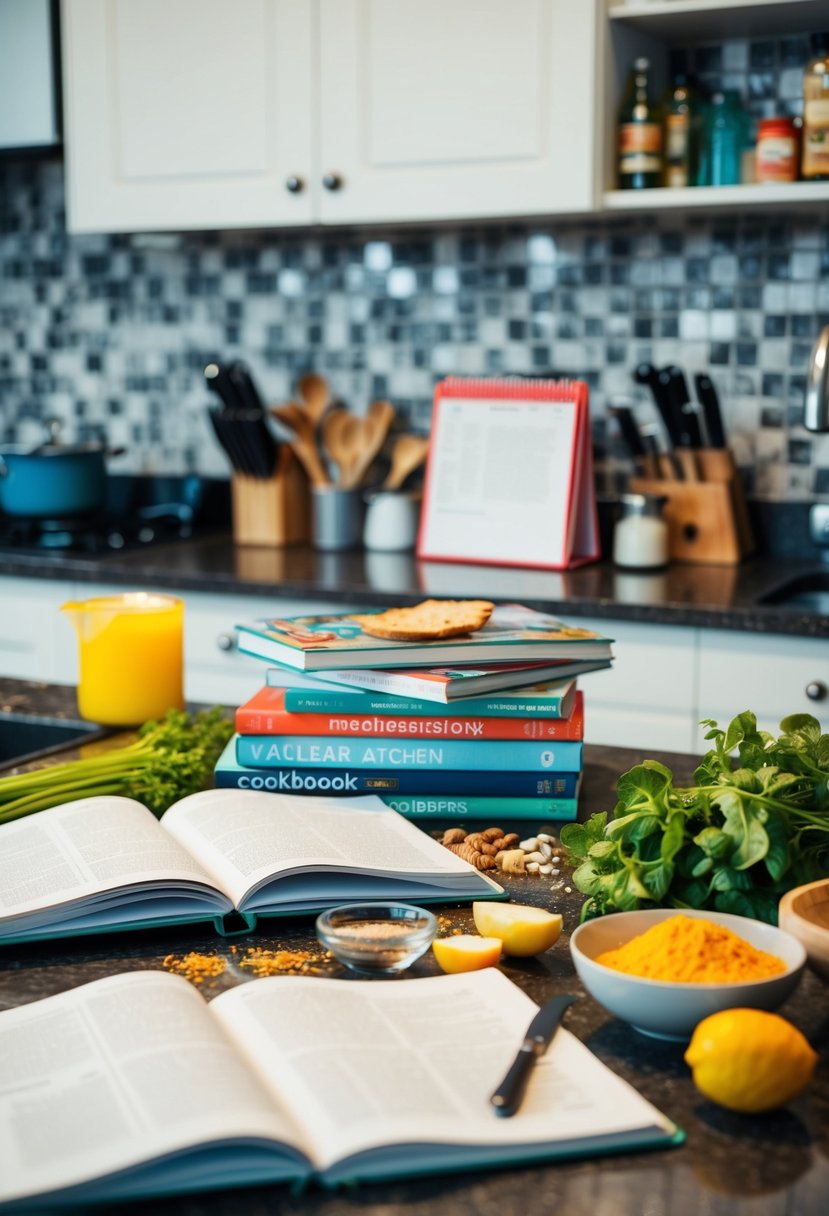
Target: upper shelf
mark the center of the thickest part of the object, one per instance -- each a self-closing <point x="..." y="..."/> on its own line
<point x="710" y="20"/>
<point x="770" y="194"/>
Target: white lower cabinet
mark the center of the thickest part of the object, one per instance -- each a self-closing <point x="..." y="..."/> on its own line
<point x="36" y="642"/>
<point x="664" y="678"/>
<point x="648" y="698"/>
<point x="769" y="676"/>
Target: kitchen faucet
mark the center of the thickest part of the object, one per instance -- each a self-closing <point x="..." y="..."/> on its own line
<point x="816" y="418"/>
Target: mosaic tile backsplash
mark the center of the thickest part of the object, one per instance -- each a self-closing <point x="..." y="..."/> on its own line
<point x="111" y="333"/>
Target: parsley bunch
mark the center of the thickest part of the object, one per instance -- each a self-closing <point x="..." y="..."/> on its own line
<point x="749" y="830"/>
<point x="170" y="759"/>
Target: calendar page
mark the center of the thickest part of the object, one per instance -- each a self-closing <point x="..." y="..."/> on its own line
<point x="509" y="477"/>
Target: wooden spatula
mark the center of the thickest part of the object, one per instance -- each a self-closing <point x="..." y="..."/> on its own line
<point x="374" y="429"/>
<point x="315" y="395"/>
<point x="408" y="454"/>
<point x="303" y="442"/>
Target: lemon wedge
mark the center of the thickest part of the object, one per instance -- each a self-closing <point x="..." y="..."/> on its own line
<point x="522" y="929"/>
<point x="466" y="952"/>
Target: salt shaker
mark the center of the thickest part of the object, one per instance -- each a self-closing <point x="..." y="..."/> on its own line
<point x="640" y="540"/>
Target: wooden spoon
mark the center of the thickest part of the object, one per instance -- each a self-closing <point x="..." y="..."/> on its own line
<point x="408" y="454"/>
<point x="341" y="439"/>
<point x="315" y="394"/>
<point x="304" y="444"/>
<point x="375" y="428"/>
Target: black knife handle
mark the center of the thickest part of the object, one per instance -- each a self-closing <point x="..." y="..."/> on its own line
<point x="507" y="1097"/>
<point x="692" y="426"/>
<point x="246" y="389"/>
<point x="630" y="432"/>
<point x="218" y="379"/>
<point x="710" y="403"/>
<point x="670" y="407"/>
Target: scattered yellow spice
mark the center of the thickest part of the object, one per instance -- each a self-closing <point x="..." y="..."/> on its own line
<point x="692" y="950"/>
<point x="195" y="967"/>
<point x="262" y="961"/>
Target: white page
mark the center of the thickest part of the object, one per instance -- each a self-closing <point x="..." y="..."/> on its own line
<point x="499" y="480"/>
<point x="365" y="1064"/>
<point x="242" y="837"/>
<point x="115" y="1073"/>
<point x="69" y="852"/>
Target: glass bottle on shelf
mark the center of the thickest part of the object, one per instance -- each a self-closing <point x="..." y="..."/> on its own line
<point x="814" y="163"/>
<point x="678" y="141"/>
<point x="640" y="133"/>
<point x="724" y="139"/>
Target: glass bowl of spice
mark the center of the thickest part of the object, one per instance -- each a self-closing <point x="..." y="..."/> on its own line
<point x="663" y="971"/>
<point x="377" y="938"/>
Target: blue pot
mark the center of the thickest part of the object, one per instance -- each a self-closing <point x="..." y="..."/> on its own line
<point x="57" y="483"/>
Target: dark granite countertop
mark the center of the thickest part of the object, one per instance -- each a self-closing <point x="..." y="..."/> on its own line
<point x="760" y="1166"/>
<point x="721" y="597"/>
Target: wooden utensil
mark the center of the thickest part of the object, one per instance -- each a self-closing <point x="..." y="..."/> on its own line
<point x="303" y="442"/>
<point x="374" y="429"/>
<point x="315" y="396"/>
<point x="408" y="454"/>
<point x="341" y="437"/>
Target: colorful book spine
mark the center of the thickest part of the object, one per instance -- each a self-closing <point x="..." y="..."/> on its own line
<point x="536" y="702"/>
<point x="426" y="807"/>
<point x="229" y="775"/>
<point x="265" y="714"/>
<point x="320" y="751"/>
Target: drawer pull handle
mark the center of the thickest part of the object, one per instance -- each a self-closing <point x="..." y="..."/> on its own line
<point x="226" y="641"/>
<point x="816" y="690"/>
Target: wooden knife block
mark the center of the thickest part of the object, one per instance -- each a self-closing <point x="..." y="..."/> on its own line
<point x="274" y="510"/>
<point x="707" y="519"/>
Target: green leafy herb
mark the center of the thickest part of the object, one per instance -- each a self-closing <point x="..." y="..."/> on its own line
<point x="170" y="758"/>
<point x="751" y="828"/>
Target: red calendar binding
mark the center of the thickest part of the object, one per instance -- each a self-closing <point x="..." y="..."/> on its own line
<point x="509" y="475"/>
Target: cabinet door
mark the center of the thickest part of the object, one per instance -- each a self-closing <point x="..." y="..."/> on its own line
<point x="192" y="114"/>
<point x="647" y="700"/>
<point x="767" y="674"/>
<point x="432" y="110"/>
<point x="36" y="642"/>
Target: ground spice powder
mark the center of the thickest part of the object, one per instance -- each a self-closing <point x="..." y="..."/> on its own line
<point x="692" y="950"/>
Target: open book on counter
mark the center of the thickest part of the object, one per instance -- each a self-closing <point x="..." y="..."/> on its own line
<point x="281" y="1080"/>
<point x="226" y="856"/>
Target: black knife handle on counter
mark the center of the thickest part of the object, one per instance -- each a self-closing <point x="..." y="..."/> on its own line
<point x="541" y="1031"/>
<point x="217" y="378"/>
<point x="246" y="390"/>
<point x="710" y="403"/>
<point x="630" y="431"/>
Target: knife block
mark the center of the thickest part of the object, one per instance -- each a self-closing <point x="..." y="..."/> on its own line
<point x="707" y="519"/>
<point x="272" y="510"/>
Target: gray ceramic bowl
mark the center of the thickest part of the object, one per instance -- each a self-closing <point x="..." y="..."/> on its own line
<point x="668" y="1010"/>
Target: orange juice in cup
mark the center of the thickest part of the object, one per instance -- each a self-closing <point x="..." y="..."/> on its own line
<point x="131" y="656"/>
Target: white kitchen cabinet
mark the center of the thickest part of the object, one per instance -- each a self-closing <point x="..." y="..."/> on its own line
<point x="36" y="642"/>
<point x="654" y="28"/>
<point x="432" y="109"/>
<point x="648" y="698"/>
<point x="190" y="114"/>
<point x="239" y="113"/>
<point x="768" y="675"/>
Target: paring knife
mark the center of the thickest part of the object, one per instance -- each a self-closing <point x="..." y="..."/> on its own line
<point x="710" y="403"/>
<point x="540" y="1033"/>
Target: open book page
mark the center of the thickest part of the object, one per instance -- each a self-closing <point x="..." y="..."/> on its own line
<point x="63" y="855"/>
<point x="363" y="1064"/>
<point x="243" y="837"/>
<point x="116" y="1073"/>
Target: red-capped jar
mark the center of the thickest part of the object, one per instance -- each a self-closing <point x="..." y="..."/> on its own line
<point x="778" y="150"/>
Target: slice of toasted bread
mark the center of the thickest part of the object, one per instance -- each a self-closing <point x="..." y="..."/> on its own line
<point x="428" y="621"/>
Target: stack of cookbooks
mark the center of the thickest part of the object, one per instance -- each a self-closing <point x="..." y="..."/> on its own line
<point x="485" y="723"/>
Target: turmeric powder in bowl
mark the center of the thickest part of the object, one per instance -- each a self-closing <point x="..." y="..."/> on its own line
<point x="692" y="950"/>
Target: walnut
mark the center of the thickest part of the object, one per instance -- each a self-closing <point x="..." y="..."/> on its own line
<point x="481" y="861"/>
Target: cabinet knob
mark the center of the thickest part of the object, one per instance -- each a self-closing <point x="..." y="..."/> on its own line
<point x="816" y="690"/>
<point x="294" y="185"/>
<point x="226" y="641"/>
<point x="332" y="181"/>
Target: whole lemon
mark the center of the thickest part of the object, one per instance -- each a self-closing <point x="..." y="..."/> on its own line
<point x="749" y="1060"/>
